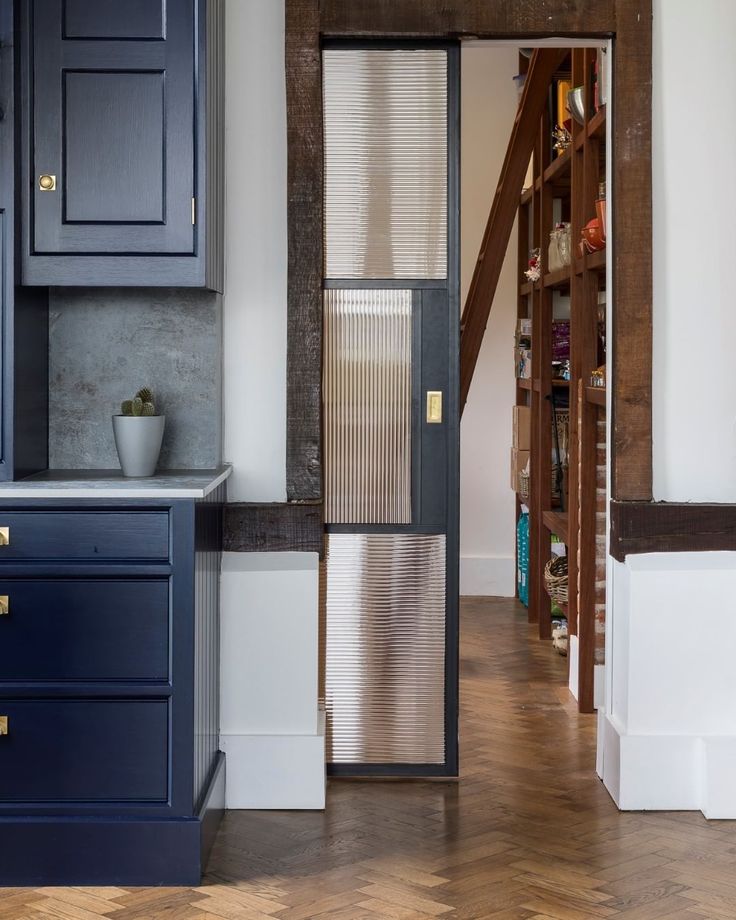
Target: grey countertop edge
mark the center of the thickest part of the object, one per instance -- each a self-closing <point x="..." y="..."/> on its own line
<point x="106" y="484"/>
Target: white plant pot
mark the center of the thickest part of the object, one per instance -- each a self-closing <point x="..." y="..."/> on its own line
<point x="138" y="440"/>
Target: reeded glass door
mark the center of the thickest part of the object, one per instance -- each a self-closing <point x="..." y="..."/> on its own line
<point x="391" y="331"/>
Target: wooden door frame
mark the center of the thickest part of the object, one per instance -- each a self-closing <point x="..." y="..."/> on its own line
<point x="629" y="24"/>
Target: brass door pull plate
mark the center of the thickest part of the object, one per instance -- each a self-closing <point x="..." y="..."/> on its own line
<point x="3" y="725"/>
<point x="434" y="407"/>
<point x="4" y="536"/>
<point x="4" y="605"/>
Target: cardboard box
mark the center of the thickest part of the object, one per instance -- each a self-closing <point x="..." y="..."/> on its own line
<point x="522" y="428"/>
<point x="519" y="459"/>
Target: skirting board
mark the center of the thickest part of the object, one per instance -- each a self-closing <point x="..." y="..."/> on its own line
<point x="284" y="772"/>
<point x="487" y="576"/>
<point x="668" y="772"/>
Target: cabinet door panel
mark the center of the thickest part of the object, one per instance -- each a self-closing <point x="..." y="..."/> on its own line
<point x="113" y="119"/>
<point x="123" y="179"/>
<point x="123" y="19"/>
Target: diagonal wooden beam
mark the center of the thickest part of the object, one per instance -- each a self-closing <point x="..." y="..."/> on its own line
<point x="542" y="67"/>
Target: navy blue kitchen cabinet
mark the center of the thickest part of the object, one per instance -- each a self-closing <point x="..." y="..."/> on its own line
<point x="122" y="142"/>
<point x="110" y="771"/>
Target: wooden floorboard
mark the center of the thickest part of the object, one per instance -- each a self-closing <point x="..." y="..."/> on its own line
<point x="528" y="833"/>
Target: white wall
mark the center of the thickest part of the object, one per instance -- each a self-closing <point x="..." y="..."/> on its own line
<point x="694" y="418"/>
<point x="254" y="323"/>
<point x="487" y="532"/>
<point x="694" y="202"/>
<point x="271" y="729"/>
<point x="667" y="734"/>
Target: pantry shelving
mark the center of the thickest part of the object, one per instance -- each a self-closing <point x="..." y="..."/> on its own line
<point x="565" y="187"/>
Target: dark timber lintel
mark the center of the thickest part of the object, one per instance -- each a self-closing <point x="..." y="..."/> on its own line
<point x="670" y="527"/>
<point x="273" y="527"/>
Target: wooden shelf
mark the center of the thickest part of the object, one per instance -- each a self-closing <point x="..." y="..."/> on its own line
<point x="526" y="289"/>
<point x="597" y="124"/>
<point x="592" y="261"/>
<point x="557" y="523"/>
<point x="527" y="195"/>
<point x="596" y="395"/>
<point x="524" y="382"/>
<point x="559" y="168"/>
<point x="596" y="129"/>
<point x="557" y="280"/>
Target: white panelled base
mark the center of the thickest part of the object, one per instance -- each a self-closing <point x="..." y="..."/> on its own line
<point x="667" y="733"/>
<point x="275" y="771"/>
<point x="487" y="576"/>
<point x="271" y="730"/>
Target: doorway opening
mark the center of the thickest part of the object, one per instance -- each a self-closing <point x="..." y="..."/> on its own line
<point x="414" y="138"/>
<point x="538" y="401"/>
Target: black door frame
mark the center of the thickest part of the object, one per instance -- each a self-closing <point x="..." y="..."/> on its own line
<point x="452" y="419"/>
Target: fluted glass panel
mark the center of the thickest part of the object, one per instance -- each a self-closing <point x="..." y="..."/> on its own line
<point x="384" y="648"/>
<point x="385" y="118"/>
<point x="367" y="406"/>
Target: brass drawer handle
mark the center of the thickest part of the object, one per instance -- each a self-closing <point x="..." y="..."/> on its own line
<point x="4" y="536"/>
<point x="3" y="725"/>
<point x="47" y="183"/>
<point x="4" y="605"/>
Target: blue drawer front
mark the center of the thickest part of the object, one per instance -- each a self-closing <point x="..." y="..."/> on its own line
<point x="85" y="630"/>
<point x="63" y="751"/>
<point x="92" y="536"/>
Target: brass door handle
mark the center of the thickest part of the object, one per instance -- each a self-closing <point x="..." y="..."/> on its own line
<point x="4" y="536"/>
<point x="3" y="725"/>
<point x="47" y="183"/>
<point x="4" y="605"/>
<point x="434" y="407"/>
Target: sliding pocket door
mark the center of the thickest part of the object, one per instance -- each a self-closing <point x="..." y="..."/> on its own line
<point x="391" y="329"/>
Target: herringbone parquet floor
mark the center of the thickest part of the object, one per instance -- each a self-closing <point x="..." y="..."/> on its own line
<point x="528" y="834"/>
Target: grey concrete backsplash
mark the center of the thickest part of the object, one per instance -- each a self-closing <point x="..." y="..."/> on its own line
<point x="106" y="343"/>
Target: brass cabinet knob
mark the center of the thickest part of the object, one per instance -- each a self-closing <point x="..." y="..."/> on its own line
<point x="4" y="536"/>
<point x="3" y="725"/>
<point x="4" y="605"/>
<point x="47" y="183"/>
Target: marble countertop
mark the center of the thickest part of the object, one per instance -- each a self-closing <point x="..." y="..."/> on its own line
<point x="112" y="484"/>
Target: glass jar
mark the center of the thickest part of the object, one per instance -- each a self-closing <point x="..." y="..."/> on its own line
<point x="553" y="252"/>
<point x="559" y="254"/>
<point x="564" y="244"/>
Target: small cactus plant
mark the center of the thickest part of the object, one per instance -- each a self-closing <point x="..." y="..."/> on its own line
<point x="142" y="405"/>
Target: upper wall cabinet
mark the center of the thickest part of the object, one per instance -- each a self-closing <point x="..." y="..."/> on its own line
<point x="123" y="142"/>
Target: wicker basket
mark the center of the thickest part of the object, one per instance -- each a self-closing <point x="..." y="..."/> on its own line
<point x="555" y="579"/>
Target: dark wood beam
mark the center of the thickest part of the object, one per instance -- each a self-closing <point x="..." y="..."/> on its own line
<point x="631" y="371"/>
<point x="482" y="18"/>
<point x="505" y="204"/>
<point x="273" y="527"/>
<point x="304" y="324"/>
<point x="669" y="527"/>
